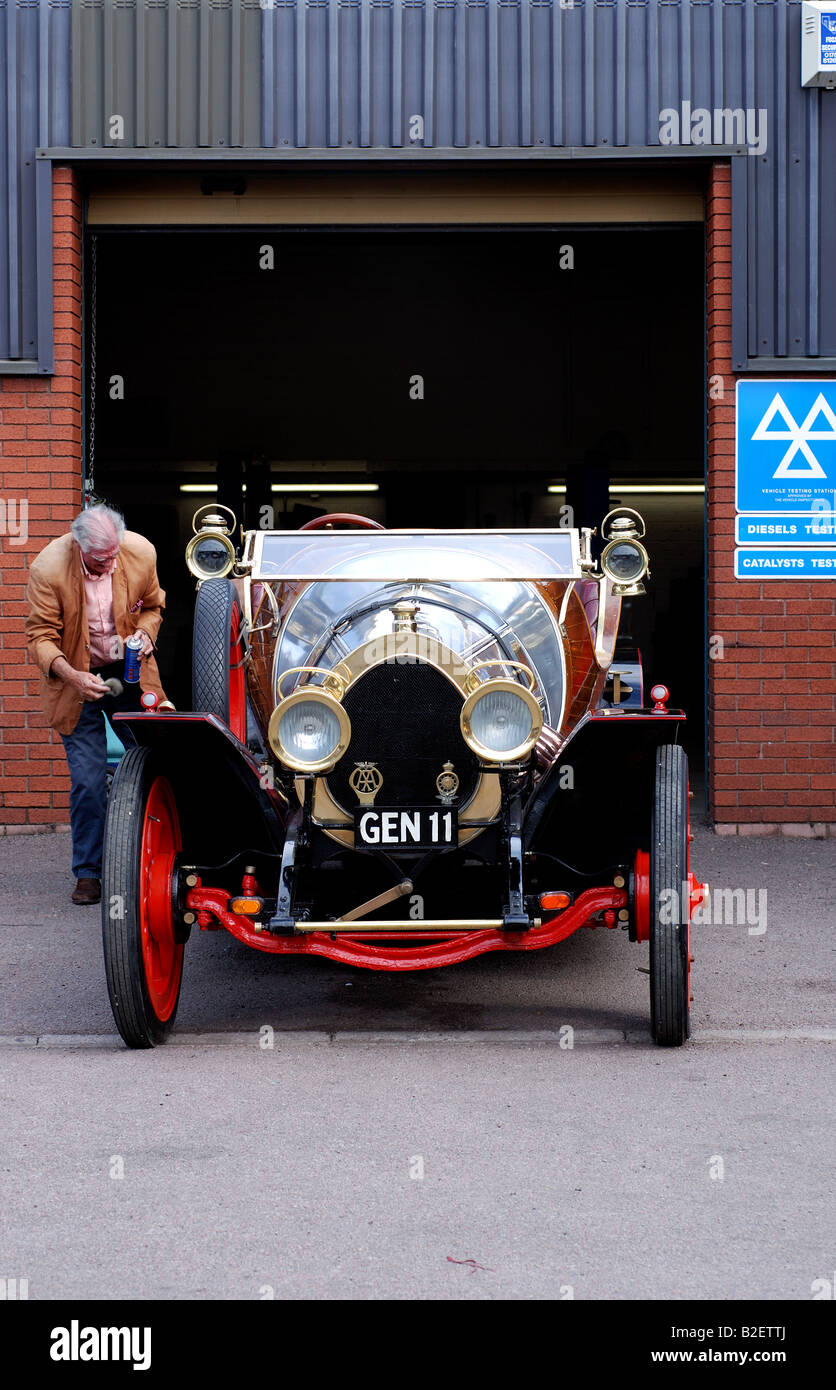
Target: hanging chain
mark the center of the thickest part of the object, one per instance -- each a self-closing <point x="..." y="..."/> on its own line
<point x="91" y="421"/>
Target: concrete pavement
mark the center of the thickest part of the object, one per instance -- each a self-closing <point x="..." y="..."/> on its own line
<point x="425" y="1136"/>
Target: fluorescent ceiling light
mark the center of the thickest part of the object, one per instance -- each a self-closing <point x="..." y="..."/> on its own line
<point x="665" y="488"/>
<point x="311" y="489"/>
<point x="637" y="489"/>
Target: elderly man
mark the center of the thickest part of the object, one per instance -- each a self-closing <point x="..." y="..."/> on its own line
<point x="88" y="591"/>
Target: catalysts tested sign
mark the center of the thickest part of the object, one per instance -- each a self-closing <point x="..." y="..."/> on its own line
<point x="780" y="563"/>
<point x="785" y="479"/>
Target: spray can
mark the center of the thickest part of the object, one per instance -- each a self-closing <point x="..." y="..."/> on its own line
<point x="133" y="647"/>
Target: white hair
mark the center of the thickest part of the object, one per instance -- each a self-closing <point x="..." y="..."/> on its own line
<point x="96" y="524"/>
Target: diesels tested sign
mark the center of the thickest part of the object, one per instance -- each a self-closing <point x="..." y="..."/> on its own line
<point x="807" y="528"/>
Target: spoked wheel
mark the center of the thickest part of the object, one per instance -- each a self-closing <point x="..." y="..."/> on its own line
<point x="669" y="901"/>
<point x="219" y="682"/>
<point x="143" y="955"/>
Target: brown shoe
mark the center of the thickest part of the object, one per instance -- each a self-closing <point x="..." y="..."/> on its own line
<point x="87" y="891"/>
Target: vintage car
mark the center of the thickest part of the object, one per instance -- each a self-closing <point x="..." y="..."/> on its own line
<point x="406" y="748"/>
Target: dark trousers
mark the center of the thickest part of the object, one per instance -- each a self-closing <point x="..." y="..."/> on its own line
<point x="86" y="750"/>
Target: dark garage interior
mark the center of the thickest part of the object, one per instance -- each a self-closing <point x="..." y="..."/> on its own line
<point x="540" y="369"/>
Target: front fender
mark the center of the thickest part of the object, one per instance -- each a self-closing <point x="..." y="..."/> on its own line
<point x="222" y="802"/>
<point x="592" y="807"/>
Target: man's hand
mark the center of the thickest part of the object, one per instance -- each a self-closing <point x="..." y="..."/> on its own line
<point x="89" y="687"/>
<point x="147" y="644"/>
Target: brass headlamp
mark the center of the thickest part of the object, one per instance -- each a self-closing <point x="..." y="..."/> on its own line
<point x="210" y="554"/>
<point x="501" y="720"/>
<point x="309" y="731"/>
<point x="624" y="559"/>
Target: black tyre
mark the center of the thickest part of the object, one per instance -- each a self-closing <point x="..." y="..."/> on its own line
<point x="669" y="904"/>
<point x="219" y="683"/>
<point x="140" y="922"/>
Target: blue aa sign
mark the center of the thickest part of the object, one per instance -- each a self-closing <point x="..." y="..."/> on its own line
<point x="785" y="453"/>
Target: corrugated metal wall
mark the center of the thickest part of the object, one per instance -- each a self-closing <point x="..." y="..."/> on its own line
<point x="180" y="73"/>
<point x="784" y="203"/>
<point x="351" y="74"/>
<point x="207" y="77"/>
<point x="505" y="73"/>
<point x="34" y="111"/>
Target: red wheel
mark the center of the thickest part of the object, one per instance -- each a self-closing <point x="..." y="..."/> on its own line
<point x="641" y="895"/>
<point x="342" y="519"/>
<point x="219" y="673"/>
<point x="162" y="954"/>
<point x="141" y="930"/>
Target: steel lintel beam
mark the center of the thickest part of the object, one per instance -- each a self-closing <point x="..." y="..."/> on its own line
<point x="121" y="156"/>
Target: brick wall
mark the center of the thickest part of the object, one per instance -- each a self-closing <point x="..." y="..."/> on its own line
<point x="772" y="694"/>
<point x="40" y="460"/>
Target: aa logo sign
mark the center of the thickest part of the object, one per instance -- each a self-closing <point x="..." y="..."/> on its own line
<point x="786" y="445"/>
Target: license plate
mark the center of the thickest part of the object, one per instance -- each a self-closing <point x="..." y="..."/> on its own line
<point x="423" y="827"/>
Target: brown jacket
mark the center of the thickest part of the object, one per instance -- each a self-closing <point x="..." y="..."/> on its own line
<point x="57" y="621"/>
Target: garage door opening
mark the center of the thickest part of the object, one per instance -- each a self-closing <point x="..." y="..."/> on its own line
<point x="477" y="377"/>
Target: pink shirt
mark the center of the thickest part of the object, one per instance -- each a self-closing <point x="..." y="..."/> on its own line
<point x="105" y="643"/>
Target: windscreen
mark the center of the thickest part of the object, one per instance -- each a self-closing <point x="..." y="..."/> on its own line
<point x="416" y="556"/>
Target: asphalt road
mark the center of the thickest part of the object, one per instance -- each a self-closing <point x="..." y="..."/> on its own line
<point x="400" y="1124"/>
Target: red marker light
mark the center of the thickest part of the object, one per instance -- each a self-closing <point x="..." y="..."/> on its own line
<point x="660" y="694"/>
<point x="149" y="701"/>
